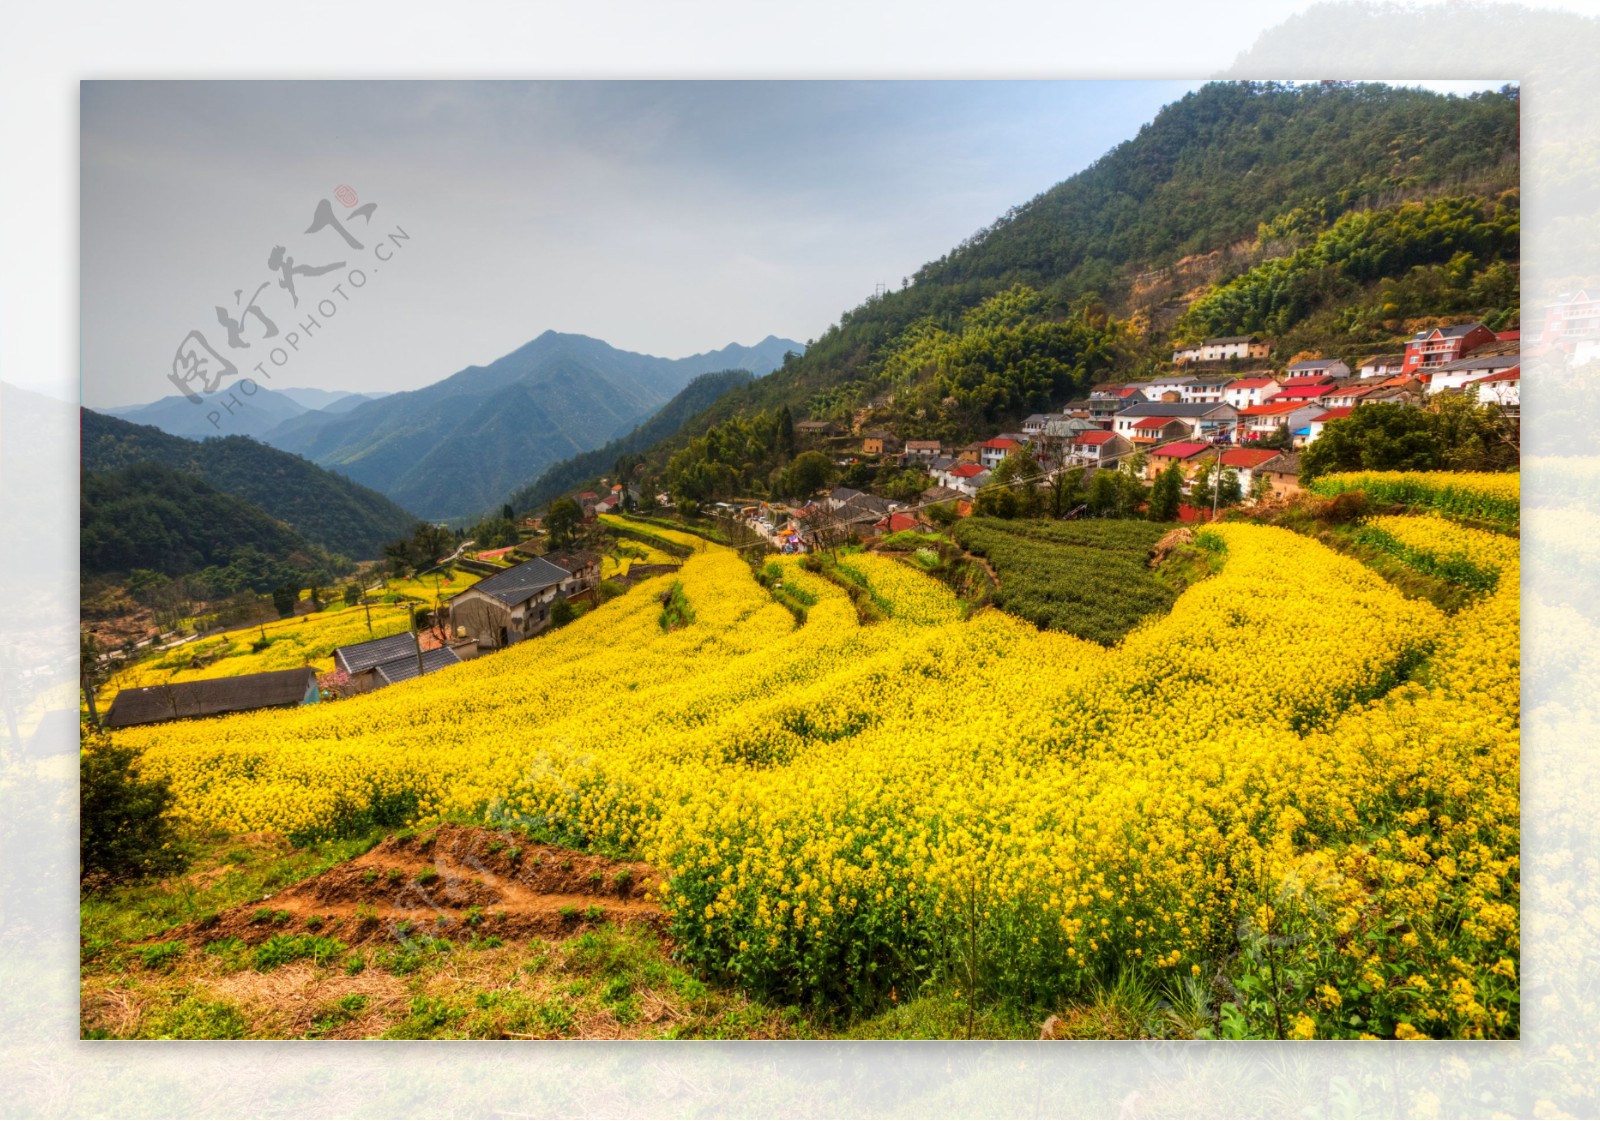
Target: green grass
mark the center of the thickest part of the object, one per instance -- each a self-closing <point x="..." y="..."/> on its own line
<point x="217" y="880"/>
<point x="1089" y="578"/>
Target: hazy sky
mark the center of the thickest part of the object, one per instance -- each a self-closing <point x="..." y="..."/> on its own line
<point x="664" y="217"/>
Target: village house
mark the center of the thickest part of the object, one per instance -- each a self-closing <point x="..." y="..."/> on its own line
<point x="180" y="700"/>
<point x="838" y="496"/>
<point x="1187" y="454"/>
<point x="1317" y="423"/>
<point x="1347" y="396"/>
<point x="1223" y="349"/>
<point x="1207" y="388"/>
<point x="404" y="669"/>
<point x="1247" y="391"/>
<point x="1203" y="421"/>
<point x="1572" y="319"/>
<point x="879" y="442"/>
<point x="1169" y="388"/>
<point x="1054" y="441"/>
<point x="360" y="661"/>
<point x="1034" y="425"/>
<point x="582" y="568"/>
<point x="1317" y="368"/>
<point x="1502" y="388"/>
<point x="1454" y="375"/>
<point x="924" y="449"/>
<point x="900" y="523"/>
<point x="816" y="429"/>
<point x="1439" y="346"/>
<point x="1097" y="448"/>
<point x="1381" y="365"/>
<point x="1151" y="431"/>
<point x="1261" y="421"/>
<point x="509" y="606"/>
<point x="1282" y="472"/>
<point x="1305" y="394"/>
<point x="993" y="451"/>
<point x="1244" y="461"/>
<point x="966" y="478"/>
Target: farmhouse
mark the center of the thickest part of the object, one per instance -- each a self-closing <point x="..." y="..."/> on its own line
<point x="1443" y="345"/>
<point x="440" y="657"/>
<point x="1454" y="375"/>
<point x="924" y="449"/>
<point x="1263" y="420"/>
<point x="509" y="606"/>
<point x="1097" y="448"/>
<point x="1317" y="368"/>
<point x="1572" y="319"/>
<point x="1503" y="388"/>
<point x="1198" y="419"/>
<point x="993" y="451"/>
<point x="1245" y="392"/>
<point x="154" y="704"/>
<point x="879" y="443"/>
<point x="1188" y="454"/>
<point x="1317" y="423"/>
<point x="1381" y="365"/>
<point x="1282" y="472"/>
<point x="1222" y="349"/>
<point x="1244" y="461"/>
<point x="364" y="662"/>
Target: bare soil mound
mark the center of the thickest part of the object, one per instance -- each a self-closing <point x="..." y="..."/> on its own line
<point x="455" y="882"/>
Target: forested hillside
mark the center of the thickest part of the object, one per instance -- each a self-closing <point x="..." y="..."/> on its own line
<point x="1325" y="212"/>
<point x="324" y="507"/>
<point x="694" y="398"/>
<point x="162" y="519"/>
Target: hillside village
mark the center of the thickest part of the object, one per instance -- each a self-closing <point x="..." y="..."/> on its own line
<point x="1222" y="406"/>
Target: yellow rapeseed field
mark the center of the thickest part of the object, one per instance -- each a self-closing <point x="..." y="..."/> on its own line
<point x="1297" y="773"/>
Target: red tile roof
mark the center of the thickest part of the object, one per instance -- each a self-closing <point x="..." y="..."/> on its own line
<point x="1181" y="449"/>
<point x="894" y="523"/>
<point x="1128" y="391"/>
<point x="967" y="470"/>
<point x="1252" y="383"/>
<point x="1247" y="457"/>
<point x="1093" y="438"/>
<point x="1334" y="414"/>
<point x="1272" y="408"/>
<point x="1001" y="442"/>
<point x="1307" y="379"/>
<point x="1513" y="374"/>
<point x="1153" y="424"/>
<point x="1300" y="392"/>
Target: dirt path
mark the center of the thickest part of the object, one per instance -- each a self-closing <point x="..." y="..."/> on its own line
<point x="451" y="882"/>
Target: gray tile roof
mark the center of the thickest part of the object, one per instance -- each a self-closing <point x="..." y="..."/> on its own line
<point x="1482" y="362"/>
<point x="523" y="582"/>
<point x="404" y="669"/>
<point x="212" y="697"/>
<point x="364" y="655"/>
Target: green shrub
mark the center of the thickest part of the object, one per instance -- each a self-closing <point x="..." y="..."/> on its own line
<point x="124" y="833"/>
<point x="281" y="949"/>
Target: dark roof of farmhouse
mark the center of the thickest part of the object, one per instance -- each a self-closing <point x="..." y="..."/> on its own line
<point x="212" y="697"/>
<point x="404" y="669"/>
<point x="362" y="656"/>
<point x="520" y="583"/>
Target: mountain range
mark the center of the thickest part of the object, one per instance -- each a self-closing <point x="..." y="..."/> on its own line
<point x="458" y="447"/>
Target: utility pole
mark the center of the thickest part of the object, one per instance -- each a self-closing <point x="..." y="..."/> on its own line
<point x="416" y="639"/>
